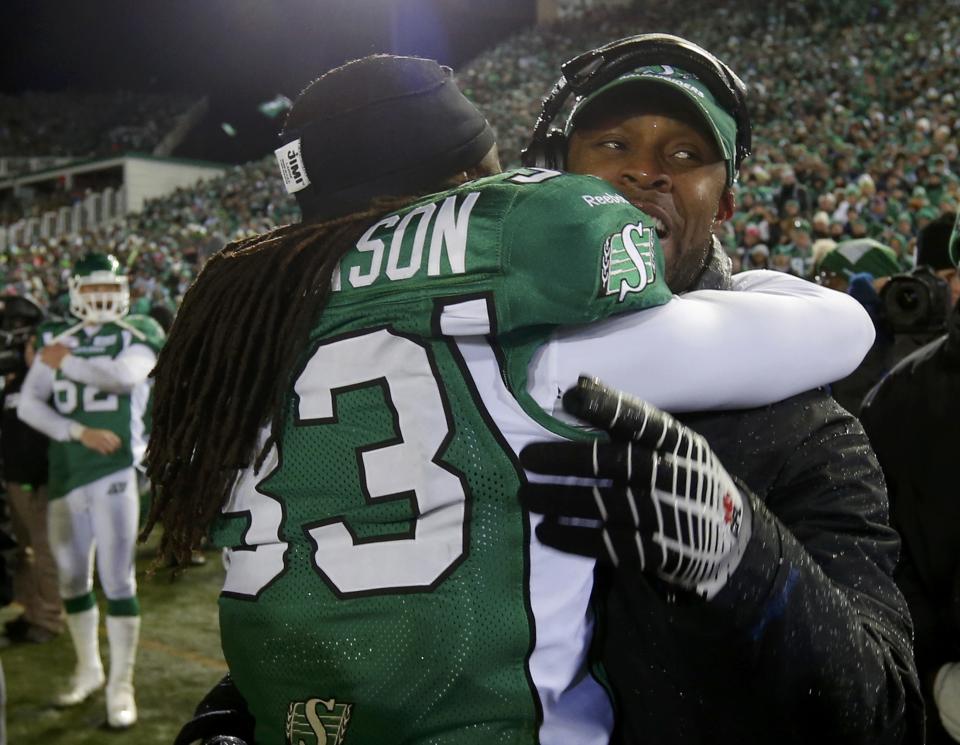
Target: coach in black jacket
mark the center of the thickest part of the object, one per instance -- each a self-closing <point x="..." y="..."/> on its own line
<point x="809" y="641"/>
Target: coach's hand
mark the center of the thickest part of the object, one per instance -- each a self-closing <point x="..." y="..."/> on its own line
<point x="102" y="441"/>
<point x="660" y="500"/>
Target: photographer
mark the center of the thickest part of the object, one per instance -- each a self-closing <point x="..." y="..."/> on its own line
<point x="913" y="420"/>
<point x="933" y="251"/>
<point x="908" y="309"/>
<point x="24" y="452"/>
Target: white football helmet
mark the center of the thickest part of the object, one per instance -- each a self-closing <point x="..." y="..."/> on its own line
<point x="99" y="305"/>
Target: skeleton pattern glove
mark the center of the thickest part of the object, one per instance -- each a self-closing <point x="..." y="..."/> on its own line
<point x="653" y="498"/>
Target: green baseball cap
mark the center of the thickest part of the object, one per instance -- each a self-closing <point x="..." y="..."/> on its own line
<point x="718" y="120"/>
<point x="860" y="255"/>
<point x="955" y="242"/>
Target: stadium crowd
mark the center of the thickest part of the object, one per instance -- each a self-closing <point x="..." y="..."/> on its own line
<point x="861" y="144"/>
<point x="161" y="245"/>
<point x="86" y="125"/>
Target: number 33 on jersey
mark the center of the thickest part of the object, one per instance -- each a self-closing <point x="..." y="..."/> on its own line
<point x="383" y="584"/>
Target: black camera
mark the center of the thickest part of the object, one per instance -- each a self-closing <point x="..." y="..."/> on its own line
<point x="916" y="303"/>
<point x="19" y="318"/>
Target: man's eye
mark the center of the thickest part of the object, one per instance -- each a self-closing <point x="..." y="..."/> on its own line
<point x="612" y="144"/>
<point x="683" y="154"/>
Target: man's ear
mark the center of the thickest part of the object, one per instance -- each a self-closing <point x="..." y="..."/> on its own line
<point x="726" y="206"/>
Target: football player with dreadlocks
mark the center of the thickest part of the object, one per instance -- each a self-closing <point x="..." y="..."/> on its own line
<point x="95" y="372"/>
<point x="342" y="402"/>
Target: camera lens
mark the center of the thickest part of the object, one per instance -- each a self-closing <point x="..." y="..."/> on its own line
<point x="907" y="301"/>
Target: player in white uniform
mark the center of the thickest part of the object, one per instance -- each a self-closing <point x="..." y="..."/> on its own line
<point x="95" y="373"/>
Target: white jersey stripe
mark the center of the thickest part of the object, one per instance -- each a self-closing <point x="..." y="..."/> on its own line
<point x="576" y="708"/>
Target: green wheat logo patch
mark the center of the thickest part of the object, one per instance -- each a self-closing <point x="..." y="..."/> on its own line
<point x="628" y="261"/>
<point x="317" y="721"/>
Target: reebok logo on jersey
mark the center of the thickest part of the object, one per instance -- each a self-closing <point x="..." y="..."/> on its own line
<point x="598" y="201"/>
<point x="627" y="262"/>
<point x="117" y="487"/>
<point x="317" y="721"/>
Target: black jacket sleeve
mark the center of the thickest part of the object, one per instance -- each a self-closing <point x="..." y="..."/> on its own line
<point x="811" y="638"/>
<point x="816" y="596"/>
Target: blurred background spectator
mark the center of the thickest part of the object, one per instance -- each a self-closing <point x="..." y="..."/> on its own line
<point x="913" y="421"/>
<point x="23" y="465"/>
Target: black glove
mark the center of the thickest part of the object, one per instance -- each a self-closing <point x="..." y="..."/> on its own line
<point x="221" y="718"/>
<point x="659" y="499"/>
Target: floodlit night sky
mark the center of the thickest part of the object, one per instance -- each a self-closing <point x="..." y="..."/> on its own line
<point x="239" y="52"/>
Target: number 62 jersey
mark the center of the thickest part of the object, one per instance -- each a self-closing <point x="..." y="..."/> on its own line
<point x="384" y="584"/>
<point x="71" y="464"/>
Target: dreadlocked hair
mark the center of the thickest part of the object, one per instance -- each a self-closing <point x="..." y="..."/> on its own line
<point x="225" y="370"/>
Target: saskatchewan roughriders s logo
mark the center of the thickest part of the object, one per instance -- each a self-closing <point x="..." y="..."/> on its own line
<point x="628" y="261"/>
<point x="317" y="721"/>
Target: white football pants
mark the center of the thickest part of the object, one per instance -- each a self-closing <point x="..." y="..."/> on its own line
<point x="100" y="518"/>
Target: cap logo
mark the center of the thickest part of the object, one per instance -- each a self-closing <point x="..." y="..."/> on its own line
<point x="292" y="169"/>
<point x="677" y="77"/>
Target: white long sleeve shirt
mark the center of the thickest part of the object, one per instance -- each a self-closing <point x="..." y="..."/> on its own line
<point x="118" y="375"/>
<point x="710" y="349"/>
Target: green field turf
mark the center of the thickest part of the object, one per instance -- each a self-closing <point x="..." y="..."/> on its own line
<point x="178" y="662"/>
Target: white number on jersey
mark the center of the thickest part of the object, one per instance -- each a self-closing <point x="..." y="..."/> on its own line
<point x="436" y="544"/>
<point x="252" y="568"/>
<point x="65" y="397"/>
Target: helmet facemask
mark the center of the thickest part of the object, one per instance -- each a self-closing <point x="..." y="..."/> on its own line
<point x="100" y="306"/>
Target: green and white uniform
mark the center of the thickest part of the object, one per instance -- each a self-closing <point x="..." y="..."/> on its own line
<point x="381" y="579"/>
<point x="384" y="585"/>
<point x="71" y="464"/>
<point x="103" y="385"/>
<point x="100" y="385"/>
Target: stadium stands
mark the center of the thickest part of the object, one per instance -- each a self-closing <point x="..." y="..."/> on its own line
<point x="851" y="139"/>
<point x="85" y="125"/>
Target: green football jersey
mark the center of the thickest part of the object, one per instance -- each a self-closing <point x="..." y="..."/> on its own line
<point x="384" y="584"/>
<point x="72" y="464"/>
